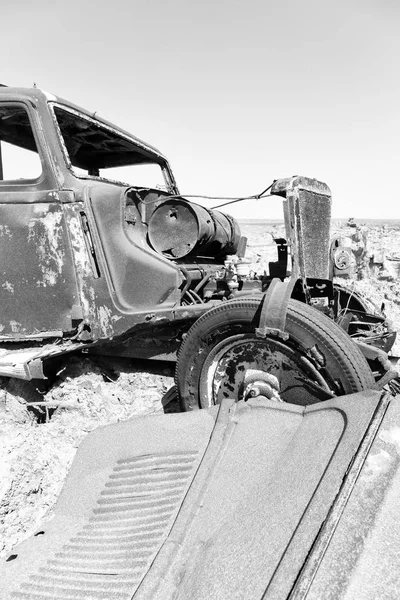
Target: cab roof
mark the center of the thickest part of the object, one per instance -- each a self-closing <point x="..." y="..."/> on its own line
<point x="37" y="95"/>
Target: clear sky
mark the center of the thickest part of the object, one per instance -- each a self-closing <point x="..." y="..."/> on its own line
<point x="234" y="93"/>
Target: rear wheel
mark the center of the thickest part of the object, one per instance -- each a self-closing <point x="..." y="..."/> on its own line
<point x="317" y="361"/>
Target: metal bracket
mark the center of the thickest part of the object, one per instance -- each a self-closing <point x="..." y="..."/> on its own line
<point x="374" y="353"/>
<point x="279" y="267"/>
<point x="274" y="309"/>
<point x="385" y="379"/>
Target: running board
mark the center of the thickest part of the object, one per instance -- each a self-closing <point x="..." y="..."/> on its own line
<point x="27" y="363"/>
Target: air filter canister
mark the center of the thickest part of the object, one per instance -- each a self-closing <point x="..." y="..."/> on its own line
<point x="178" y="228"/>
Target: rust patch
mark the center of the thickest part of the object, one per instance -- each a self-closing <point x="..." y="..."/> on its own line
<point x="46" y="234"/>
<point x="8" y="286"/>
<point x="5" y="231"/>
<point x="104" y="316"/>
<point x="82" y="263"/>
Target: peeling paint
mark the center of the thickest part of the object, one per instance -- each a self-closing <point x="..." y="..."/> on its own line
<point x="9" y="287"/>
<point x="5" y="231"/>
<point x="78" y="245"/>
<point x="40" y="209"/>
<point x="391" y="436"/>
<point x="16" y="327"/>
<point x="377" y="465"/>
<point x="47" y="236"/>
<point x="54" y="196"/>
<point x="104" y="316"/>
<point x="85" y="305"/>
<point x="83" y="269"/>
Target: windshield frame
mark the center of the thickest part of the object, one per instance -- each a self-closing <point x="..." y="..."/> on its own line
<point x="159" y="159"/>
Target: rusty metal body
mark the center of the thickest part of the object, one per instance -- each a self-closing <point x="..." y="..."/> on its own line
<point x="94" y="256"/>
<point x="77" y="263"/>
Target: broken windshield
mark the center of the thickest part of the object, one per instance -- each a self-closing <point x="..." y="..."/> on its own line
<point x="96" y="150"/>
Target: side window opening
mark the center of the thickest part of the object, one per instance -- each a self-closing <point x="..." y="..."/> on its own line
<point x="19" y="157"/>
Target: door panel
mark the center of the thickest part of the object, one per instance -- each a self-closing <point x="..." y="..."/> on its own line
<point x="38" y="286"/>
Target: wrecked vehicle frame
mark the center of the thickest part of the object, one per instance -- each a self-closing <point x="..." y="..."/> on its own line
<point x="94" y="261"/>
<point x="76" y="263"/>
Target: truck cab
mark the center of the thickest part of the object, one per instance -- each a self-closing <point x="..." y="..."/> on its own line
<point x="95" y="240"/>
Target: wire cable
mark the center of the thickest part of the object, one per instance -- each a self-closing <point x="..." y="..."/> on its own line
<point x="231" y="200"/>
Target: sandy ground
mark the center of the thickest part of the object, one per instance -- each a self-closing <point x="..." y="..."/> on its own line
<point x="37" y="445"/>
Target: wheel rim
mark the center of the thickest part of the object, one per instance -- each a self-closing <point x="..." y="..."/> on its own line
<point x="223" y="372"/>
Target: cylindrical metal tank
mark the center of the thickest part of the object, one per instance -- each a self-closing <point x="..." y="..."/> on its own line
<point x="178" y="228"/>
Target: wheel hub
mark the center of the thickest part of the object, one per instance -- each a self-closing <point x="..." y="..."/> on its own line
<point x="243" y="366"/>
<point x="259" y="383"/>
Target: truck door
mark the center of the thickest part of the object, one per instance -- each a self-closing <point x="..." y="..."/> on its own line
<point x="38" y="292"/>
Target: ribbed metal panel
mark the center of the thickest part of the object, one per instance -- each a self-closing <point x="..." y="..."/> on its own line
<point x="110" y="555"/>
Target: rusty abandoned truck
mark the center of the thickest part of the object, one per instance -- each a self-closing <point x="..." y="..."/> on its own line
<point x="101" y="254"/>
<point x="286" y="487"/>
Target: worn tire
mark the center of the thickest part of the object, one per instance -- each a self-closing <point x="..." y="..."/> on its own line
<point x="342" y="367"/>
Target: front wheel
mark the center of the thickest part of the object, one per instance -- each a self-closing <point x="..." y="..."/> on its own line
<point x="317" y="361"/>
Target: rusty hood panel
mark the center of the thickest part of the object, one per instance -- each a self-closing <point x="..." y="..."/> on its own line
<point x="219" y="503"/>
<point x="362" y="559"/>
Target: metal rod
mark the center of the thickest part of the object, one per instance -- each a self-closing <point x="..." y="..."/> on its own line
<point x="1" y="165"/>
